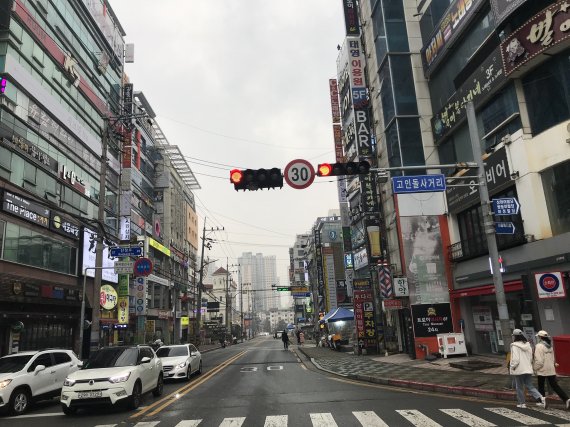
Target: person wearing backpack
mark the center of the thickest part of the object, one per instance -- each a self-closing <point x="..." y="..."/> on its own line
<point x="521" y="368"/>
<point x="545" y="366"/>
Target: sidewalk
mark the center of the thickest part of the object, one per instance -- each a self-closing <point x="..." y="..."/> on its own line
<point x="401" y="371"/>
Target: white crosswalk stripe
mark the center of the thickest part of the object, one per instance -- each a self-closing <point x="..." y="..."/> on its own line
<point x="323" y="420"/>
<point x="232" y="422"/>
<point x="276" y="421"/>
<point x="369" y="419"/>
<point x="147" y="423"/>
<point x="526" y="420"/>
<point x="560" y="413"/>
<point x="417" y="418"/>
<point x="467" y="418"/>
<point x="188" y="423"/>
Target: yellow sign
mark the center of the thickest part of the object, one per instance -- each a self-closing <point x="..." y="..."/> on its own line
<point x="149" y="326"/>
<point x="158" y="246"/>
<point x="123" y="310"/>
<point x="184" y="321"/>
<point x="108" y="297"/>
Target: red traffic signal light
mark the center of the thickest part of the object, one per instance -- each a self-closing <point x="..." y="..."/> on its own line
<point x="236" y="176"/>
<point x="338" y="169"/>
<point x="255" y="179"/>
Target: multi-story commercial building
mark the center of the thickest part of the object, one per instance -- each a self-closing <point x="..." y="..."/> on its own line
<point x="63" y="79"/>
<point x="299" y="279"/>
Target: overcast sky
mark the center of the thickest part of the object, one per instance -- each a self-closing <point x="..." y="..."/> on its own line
<point x="242" y="84"/>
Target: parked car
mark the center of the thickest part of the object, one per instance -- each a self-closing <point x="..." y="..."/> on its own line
<point x="33" y="375"/>
<point x="113" y="375"/>
<point x="180" y="361"/>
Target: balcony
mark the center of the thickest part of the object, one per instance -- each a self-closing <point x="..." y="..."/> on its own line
<point x="477" y="246"/>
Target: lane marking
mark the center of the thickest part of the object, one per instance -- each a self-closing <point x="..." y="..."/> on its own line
<point x="323" y="420"/>
<point x="417" y="418"/>
<point x="275" y="368"/>
<point x="188" y="423"/>
<point x="276" y="421"/>
<point x="19" y="417"/>
<point x="176" y="395"/>
<point x="526" y="420"/>
<point x="147" y="423"/>
<point x="369" y="419"/>
<point x="467" y="418"/>
<point x="232" y="422"/>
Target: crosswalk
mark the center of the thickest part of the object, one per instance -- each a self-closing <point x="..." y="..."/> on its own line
<point x="500" y="416"/>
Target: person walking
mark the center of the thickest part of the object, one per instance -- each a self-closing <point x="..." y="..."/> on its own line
<point x="545" y="367"/>
<point x="521" y="368"/>
<point x="302" y="337"/>
<point x="285" y="339"/>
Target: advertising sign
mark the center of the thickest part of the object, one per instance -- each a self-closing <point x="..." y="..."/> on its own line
<point x="63" y="226"/>
<point x="457" y="16"/>
<point x="364" y="318"/>
<point x="108" y="297"/>
<point x="431" y="319"/>
<point x="31" y="150"/>
<point x="330" y="279"/>
<point x="497" y="174"/>
<point x="392" y="304"/>
<point x="483" y="318"/>
<point x="401" y="287"/>
<point x="335" y="107"/>
<point x="478" y="87"/>
<point x="542" y="32"/>
<point x="351" y="17"/>
<point x="25" y="209"/>
<point x="89" y="244"/>
<point x="360" y="259"/>
<point x="550" y="285"/>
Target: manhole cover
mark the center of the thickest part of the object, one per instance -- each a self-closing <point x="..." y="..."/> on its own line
<point x="474" y="365"/>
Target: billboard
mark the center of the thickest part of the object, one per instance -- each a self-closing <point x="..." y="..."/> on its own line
<point x="88" y="259"/>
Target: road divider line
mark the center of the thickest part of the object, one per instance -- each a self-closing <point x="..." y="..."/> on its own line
<point x="175" y="395"/>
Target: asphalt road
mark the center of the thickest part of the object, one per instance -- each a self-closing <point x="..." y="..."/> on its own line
<point x="257" y="383"/>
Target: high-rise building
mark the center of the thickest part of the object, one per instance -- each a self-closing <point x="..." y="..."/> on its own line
<point x="261" y="272"/>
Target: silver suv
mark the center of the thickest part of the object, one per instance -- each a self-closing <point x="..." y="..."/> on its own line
<point x="33" y="375"/>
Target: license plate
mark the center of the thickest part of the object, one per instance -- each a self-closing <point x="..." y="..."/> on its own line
<point x="89" y="394"/>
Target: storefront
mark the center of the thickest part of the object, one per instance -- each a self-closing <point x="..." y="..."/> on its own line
<point x="480" y="318"/>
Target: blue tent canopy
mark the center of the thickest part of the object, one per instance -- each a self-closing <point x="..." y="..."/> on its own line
<point x="338" y="314"/>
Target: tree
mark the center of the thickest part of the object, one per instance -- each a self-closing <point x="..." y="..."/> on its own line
<point x="281" y="325"/>
<point x="266" y="326"/>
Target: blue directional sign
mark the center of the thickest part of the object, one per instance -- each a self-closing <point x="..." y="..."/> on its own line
<point x="504" y="228"/>
<point x="418" y="183"/>
<point x="506" y="206"/>
<point x="300" y="294"/>
<point x="125" y="251"/>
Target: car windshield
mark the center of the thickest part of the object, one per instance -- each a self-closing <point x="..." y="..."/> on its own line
<point x="172" y="351"/>
<point x="13" y="363"/>
<point x="112" y="357"/>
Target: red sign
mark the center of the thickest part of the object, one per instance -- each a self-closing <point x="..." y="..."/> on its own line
<point x="335" y="107"/>
<point x="364" y="318"/>
<point x="392" y="304"/>
<point x="543" y="31"/>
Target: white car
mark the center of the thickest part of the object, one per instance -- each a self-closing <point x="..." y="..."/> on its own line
<point x="33" y="375"/>
<point x="113" y="375"/>
<point x="180" y="361"/>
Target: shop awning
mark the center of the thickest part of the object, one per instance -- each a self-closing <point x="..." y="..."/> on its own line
<point x="512" y="286"/>
<point x="337" y="315"/>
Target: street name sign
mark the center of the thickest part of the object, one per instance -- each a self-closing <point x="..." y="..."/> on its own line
<point x="124" y="267"/>
<point x="506" y="206"/>
<point x="125" y="251"/>
<point x="301" y="294"/>
<point x="504" y="228"/>
<point x="418" y="183"/>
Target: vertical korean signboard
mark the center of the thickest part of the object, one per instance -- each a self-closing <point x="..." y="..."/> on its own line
<point x="123" y="299"/>
<point x="364" y="318"/>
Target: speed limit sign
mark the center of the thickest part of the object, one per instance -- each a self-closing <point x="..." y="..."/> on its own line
<point x="299" y="174"/>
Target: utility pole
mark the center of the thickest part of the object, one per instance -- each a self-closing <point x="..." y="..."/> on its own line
<point x="201" y="277"/>
<point x="228" y="305"/>
<point x="489" y="227"/>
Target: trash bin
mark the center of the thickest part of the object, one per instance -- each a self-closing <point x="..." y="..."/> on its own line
<point x="561" y="351"/>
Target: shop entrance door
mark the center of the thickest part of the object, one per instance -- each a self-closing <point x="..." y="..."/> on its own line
<point x="407" y="332"/>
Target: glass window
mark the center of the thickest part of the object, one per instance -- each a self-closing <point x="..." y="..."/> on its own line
<point x="411" y="142"/>
<point x="42" y="359"/>
<point x="547" y="93"/>
<point x="386" y="95"/>
<point x="61" y="357"/>
<point x="555" y="183"/>
<point x="404" y="90"/>
<point x="396" y="26"/>
<point x="393" y="146"/>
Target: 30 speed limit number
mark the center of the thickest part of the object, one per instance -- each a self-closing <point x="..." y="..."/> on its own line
<point x="299" y="174"/>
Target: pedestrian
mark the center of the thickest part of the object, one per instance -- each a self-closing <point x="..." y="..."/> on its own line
<point x="545" y="366"/>
<point x="285" y="339"/>
<point x="298" y="333"/>
<point x="521" y="368"/>
<point x="510" y="384"/>
<point x="302" y="337"/>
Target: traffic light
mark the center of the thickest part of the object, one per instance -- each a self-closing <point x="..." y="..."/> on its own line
<point x="337" y="169"/>
<point x="255" y="179"/>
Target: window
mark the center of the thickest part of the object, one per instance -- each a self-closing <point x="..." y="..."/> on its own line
<point x="61" y="357"/>
<point x="547" y="93"/>
<point x="42" y="359"/>
<point x="404" y="90"/>
<point x="555" y="183"/>
<point x="146" y="352"/>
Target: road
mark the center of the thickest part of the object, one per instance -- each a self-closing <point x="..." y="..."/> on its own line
<point x="258" y="383"/>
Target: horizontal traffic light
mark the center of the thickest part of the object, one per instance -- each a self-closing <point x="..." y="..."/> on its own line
<point x="256" y="179"/>
<point x="338" y="169"/>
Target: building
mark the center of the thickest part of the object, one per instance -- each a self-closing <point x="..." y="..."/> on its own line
<point x="60" y="84"/>
<point x="261" y="272"/>
<point x="299" y="280"/>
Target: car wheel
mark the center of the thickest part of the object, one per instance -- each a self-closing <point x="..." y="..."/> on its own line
<point x="200" y="368"/>
<point x="189" y="373"/>
<point x="67" y="410"/>
<point x="159" y="386"/>
<point x="135" y="400"/>
<point x="20" y="401"/>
